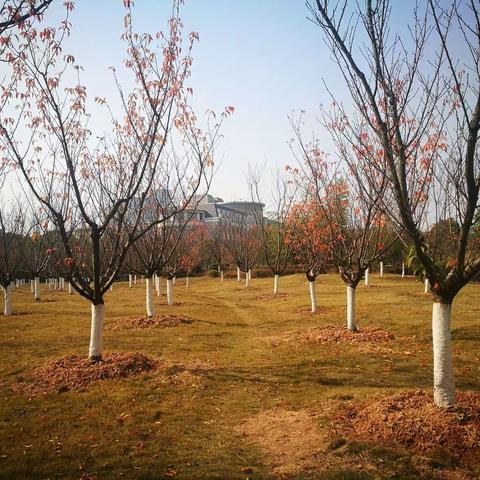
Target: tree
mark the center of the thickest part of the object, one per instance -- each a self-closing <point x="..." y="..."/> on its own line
<point x="308" y="235"/>
<point x="20" y="13"/>
<point x="12" y="230"/>
<point x="351" y="200"/>
<point x="426" y="118"/>
<point x="36" y="248"/>
<point x="273" y="226"/>
<point x="243" y="244"/>
<point x="215" y="247"/>
<point x="192" y="248"/>
<point x="97" y="188"/>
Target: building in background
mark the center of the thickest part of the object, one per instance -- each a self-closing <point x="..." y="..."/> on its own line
<point x="212" y="210"/>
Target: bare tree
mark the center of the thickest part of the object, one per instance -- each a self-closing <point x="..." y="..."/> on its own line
<point x="243" y="244"/>
<point x="12" y="230"/>
<point x="215" y="247"/>
<point x="273" y="225"/>
<point x="426" y="118"/>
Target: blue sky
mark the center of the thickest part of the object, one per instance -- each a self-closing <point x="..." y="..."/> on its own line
<point x="263" y="57"/>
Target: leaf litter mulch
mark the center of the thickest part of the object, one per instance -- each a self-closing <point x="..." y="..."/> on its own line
<point x="76" y="372"/>
<point x="161" y="320"/>
<point x="411" y="420"/>
<point x="333" y="334"/>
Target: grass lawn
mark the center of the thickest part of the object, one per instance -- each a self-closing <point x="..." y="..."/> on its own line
<point x="191" y="423"/>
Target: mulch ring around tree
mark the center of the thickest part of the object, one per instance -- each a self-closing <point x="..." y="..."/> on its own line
<point x="74" y="372"/>
<point x="334" y="334"/>
<point x="161" y="320"/>
<point x="411" y="420"/>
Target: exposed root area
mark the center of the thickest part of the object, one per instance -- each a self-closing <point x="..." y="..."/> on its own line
<point x="77" y="371"/>
<point x="163" y="320"/>
<point x="291" y="439"/>
<point x="411" y="420"/>
<point x="335" y="334"/>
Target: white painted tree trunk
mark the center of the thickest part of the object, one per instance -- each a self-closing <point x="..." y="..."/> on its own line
<point x="96" y="332"/>
<point x="247" y="279"/>
<point x="135" y="280"/>
<point x="7" y="295"/>
<point x="381" y="269"/>
<point x="221" y="275"/>
<point x="174" y="279"/>
<point x="313" y="295"/>
<point x="427" y="285"/>
<point x="275" y="284"/>
<point x="403" y="269"/>
<point x="367" y="271"/>
<point x="36" y="289"/>
<point x="70" y="291"/>
<point x="157" y="285"/>
<point x="238" y="275"/>
<point x="169" y="291"/>
<point x="32" y="287"/>
<point x="129" y="280"/>
<point x="249" y="274"/>
<point x="149" y="297"/>
<point x="186" y="282"/>
<point x="443" y="380"/>
<point x="50" y="286"/>
<point x="351" y="322"/>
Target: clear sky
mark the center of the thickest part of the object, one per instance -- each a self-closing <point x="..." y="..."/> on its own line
<point x="264" y="57"/>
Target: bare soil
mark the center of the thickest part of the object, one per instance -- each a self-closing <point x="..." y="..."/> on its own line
<point x="290" y="439"/>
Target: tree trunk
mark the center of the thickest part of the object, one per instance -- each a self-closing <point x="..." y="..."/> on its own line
<point x="351" y="323"/>
<point x="427" y="285"/>
<point x="275" y="284"/>
<point x="249" y="274"/>
<point x="36" y="289"/>
<point x="7" y="295"/>
<point x="149" y="299"/>
<point x="238" y="274"/>
<point x="313" y="295"/>
<point x="247" y="279"/>
<point x="381" y="269"/>
<point x="366" y="277"/>
<point x="443" y="381"/>
<point x="32" y="288"/>
<point x="186" y="282"/>
<point x="169" y="291"/>
<point x="129" y="280"/>
<point x="174" y="279"/>
<point x="70" y="290"/>
<point x="96" y="332"/>
<point x="221" y="275"/>
<point x="403" y="269"/>
<point x="135" y="280"/>
<point x="157" y="285"/>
